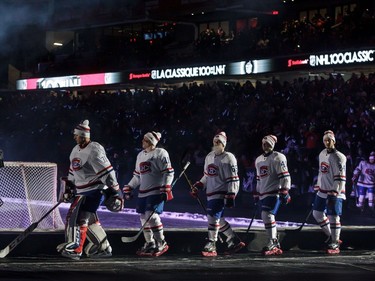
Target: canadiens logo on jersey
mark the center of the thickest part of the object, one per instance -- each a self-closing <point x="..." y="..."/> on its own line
<point x="145" y="167"/>
<point x="370" y="172"/>
<point x="76" y="164"/>
<point x="324" y="167"/>
<point x="212" y="170"/>
<point x="263" y="171"/>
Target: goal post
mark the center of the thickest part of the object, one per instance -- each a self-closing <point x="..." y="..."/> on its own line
<point x="28" y="190"/>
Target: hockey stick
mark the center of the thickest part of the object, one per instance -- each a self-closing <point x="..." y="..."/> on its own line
<point x="1" y="159"/>
<point x="356" y="194"/>
<point x="201" y="204"/>
<point x="252" y="219"/>
<point x="4" y="252"/>
<point x="1" y="166"/>
<point x="305" y="221"/>
<point x="197" y="196"/>
<point x="130" y="239"/>
<point x="298" y="229"/>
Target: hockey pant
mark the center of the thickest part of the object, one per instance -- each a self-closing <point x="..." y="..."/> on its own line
<point x="81" y="225"/>
<point x="154" y="228"/>
<point x="216" y="225"/>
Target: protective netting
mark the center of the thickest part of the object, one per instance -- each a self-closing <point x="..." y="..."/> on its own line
<point x="28" y="190"/>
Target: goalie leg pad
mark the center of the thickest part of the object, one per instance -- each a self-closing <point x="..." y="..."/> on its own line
<point x="71" y="226"/>
<point x="98" y="244"/>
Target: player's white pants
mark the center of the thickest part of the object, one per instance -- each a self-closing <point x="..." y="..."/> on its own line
<point x="154" y="228"/>
<point x="269" y="224"/>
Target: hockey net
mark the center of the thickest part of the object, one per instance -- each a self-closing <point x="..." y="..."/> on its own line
<point x="28" y="190"/>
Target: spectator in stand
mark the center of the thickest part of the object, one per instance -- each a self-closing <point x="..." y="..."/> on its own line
<point x="311" y="141"/>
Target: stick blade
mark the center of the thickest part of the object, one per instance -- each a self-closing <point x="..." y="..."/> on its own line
<point x="4" y="252"/>
<point x="125" y="239"/>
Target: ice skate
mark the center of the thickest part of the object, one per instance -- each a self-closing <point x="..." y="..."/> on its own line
<point x="234" y="245"/>
<point x="333" y="248"/>
<point x="273" y="248"/>
<point x="161" y="248"/>
<point x="148" y="249"/>
<point x="71" y="255"/>
<point x="209" y="249"/>
<point x="328" y="242"/>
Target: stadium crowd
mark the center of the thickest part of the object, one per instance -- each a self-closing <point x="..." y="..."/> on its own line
<point x="37" y="126"/>
<point x="257" y="37"/>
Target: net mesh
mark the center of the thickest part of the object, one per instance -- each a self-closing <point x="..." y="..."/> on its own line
<point x="28" y="190"/>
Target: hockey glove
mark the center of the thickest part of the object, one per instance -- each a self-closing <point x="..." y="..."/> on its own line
<point x="229" y="200"/>
<point x="354" y="179"/>
<point x="194" y="192"/>
<point x="113" y="200"/>
<point x="166" y="193"/>
<point x="284" y="196"/>
<point x="128" y="192"/>
<point x="68" y="188"/>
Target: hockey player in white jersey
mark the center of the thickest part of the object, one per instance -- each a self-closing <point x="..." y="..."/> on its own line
<point x="153" y="174"/>
<point x="221" y="183"/>
<point x="330" y="188"/>
<point x="90" y="173"/>
<point x="272" y="190"/>
<point x="364" y="180"/>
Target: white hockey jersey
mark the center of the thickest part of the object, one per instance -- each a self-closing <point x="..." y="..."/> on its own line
<point x="272" y="174"/>
<point x="152" y="170"/>
<point x="90" y="168"/>
<point x="332" y="173"/>
<point x="365" y="172"/>
<point x="220" y="175"/>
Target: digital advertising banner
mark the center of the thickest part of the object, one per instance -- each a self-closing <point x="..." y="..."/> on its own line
<point x="238" y="69"/>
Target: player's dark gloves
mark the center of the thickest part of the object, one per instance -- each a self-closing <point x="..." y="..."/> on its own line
<point x="229" y="200"/>
<point x="284" y="196"/>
